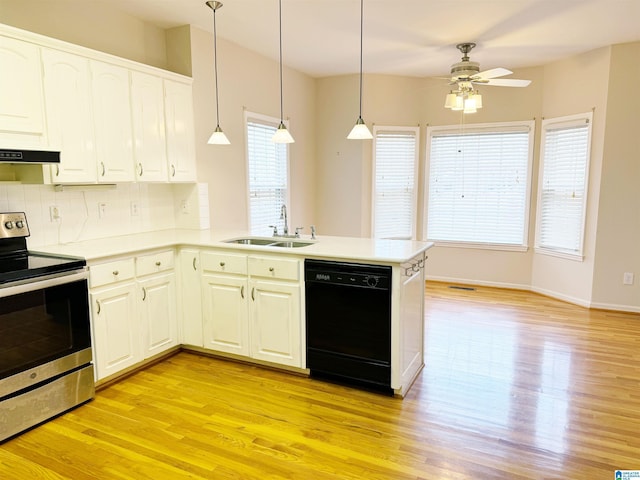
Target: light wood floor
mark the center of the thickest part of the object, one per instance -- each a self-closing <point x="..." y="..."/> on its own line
<point x="517" y="386"/>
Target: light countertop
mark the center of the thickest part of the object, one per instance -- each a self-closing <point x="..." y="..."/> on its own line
<point x="339" y="248"/>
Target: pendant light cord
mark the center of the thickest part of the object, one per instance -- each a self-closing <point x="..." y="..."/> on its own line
<point x="361" y="28"/>
<point x="215" y="65"/>
<point x="280" y="27"/>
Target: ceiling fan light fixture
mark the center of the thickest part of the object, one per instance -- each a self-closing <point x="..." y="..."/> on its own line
<point x="450" y="100"/>
<point x="469" y="105"/>
<point x="478" y="99"/>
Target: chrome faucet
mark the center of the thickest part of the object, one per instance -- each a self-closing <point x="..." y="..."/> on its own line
<point x="283" y="216"/>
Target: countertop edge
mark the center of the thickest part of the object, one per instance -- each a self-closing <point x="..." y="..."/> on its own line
<point x="327" y="247"/>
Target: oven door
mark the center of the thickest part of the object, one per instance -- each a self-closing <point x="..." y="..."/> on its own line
<point x="44" y="330"/>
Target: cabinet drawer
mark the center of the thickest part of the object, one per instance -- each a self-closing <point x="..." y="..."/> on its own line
<point x="269" y="267"/>
<point x="224" y="263"/>
<point x="154" y="262"/>
<point x="111" y="272"/>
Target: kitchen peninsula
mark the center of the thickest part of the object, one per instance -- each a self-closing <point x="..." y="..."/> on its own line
<point x="152" y="293"/>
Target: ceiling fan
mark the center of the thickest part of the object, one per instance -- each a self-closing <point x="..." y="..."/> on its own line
<point x="468" y="71"/>
<point x="466" y="74"/>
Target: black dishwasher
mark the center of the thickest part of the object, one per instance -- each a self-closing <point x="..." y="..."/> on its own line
<point x="348" y="320"/>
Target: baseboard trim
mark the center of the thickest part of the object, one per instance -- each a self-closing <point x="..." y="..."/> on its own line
<point x="541" y="291"/>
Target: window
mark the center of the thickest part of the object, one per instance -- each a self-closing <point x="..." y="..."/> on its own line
<point x="479" y="184"/>
<point x="268" y="174"/>
<point x="395" y="153"/>
<point x="562" y="194"/>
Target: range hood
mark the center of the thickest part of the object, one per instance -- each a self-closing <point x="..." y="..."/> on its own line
<point x="8" y="155"/>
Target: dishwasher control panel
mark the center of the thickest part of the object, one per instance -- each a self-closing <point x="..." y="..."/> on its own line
<point x="357" y="275"/>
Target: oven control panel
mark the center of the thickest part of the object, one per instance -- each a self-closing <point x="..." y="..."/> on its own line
<point x="13" y="224"/>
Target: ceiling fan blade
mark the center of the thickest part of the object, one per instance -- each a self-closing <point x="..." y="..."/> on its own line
<point x="493" y="73"/>
<point x="507" y="82"/>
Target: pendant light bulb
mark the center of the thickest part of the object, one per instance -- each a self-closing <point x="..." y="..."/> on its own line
<point x="360" y="131"/>
<point x="282" y="135"/>
<point x="217" y="137"/>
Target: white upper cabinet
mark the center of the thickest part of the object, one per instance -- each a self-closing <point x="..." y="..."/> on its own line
<point x="178" y="105"/>
<point x="112" y="117"/>
<point x="147" y="111"/>
<point x="113" y="120"/>
<point x="67" y="97"/>
<point x="21" y="107"/>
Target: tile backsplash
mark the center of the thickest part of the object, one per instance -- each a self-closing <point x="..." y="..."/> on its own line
<point x="98" y="211"/>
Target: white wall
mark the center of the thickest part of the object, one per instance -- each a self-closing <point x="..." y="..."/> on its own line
<point x="563" y="95"/>
<point x="618" y="228"/>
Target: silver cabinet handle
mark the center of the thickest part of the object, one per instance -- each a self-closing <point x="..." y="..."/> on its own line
<point x="271" y="269"/>
<point x="173" y="170"/>
<point x="144" y="294"/>
<point x="57" y="170"/>
<point x="194" y="263"/>
<point x="116" y="272"/>
<point x="253" y="294"/>
<point x="222" y="264"/>
<point x="140" y="169"/>
<point x="242" y="291"/>
<point x="103" y="169"/>
<point x="158" y="263"/>
<point x="99" y="307"/>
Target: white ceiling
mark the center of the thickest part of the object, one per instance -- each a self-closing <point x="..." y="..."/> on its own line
<point x="404" y="37"/>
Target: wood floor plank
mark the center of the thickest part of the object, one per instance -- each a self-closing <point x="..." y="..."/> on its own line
<point x="516" y="386"/>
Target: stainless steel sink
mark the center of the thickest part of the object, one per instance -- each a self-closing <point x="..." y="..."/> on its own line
<point x="291" y="244"/>
<point x="251" y="241"/>
<point x="269" y="242"/>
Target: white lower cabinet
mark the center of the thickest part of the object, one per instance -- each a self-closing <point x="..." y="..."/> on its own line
<point x="190" y="298"/>
<point x="225" y="324"/>
<point x="275" y="322"/>
<point x="158" y="313"/>
<point x="116" y="333"/>
<point x="133" y="310"/>
<point x="251" y="306"/>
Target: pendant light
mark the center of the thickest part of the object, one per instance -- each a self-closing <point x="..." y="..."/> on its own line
<point x="360" y="130"/>
<point x="217" y="137"/>
<point x="282" y="135"/>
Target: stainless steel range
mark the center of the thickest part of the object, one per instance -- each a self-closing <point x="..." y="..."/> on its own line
<point x="45" y="333"/>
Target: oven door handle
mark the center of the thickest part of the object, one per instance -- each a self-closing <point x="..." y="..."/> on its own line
<point x="42" y="283"/>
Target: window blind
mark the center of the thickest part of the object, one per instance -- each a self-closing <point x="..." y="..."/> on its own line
<point x="479" y="184"/>
<point x="268" y="177"/>
<point x="563" y="189"/>
<point x="395" y="161"/>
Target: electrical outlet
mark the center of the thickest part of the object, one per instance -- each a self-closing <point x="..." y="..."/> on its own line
<point x="134" y="209"/>
<point x="54" y="213"/>
<point x="102" y="210"/>
<point x="627" y="278"/>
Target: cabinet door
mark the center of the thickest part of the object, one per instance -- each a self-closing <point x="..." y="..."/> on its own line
<point x="20" y="93"/>
<point x="112" y="116"/>
<point x="158" y="313"/>
<point x="411" y="322"/>
<point x="275" y="322"/>
<point x="178" y="100"/>
<point x="116" y="329"/>
<point x="147" y="104"/>
<point x="225" y="316"/>
<point x="190" y="298"/>
<point x="67" y="93"/>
